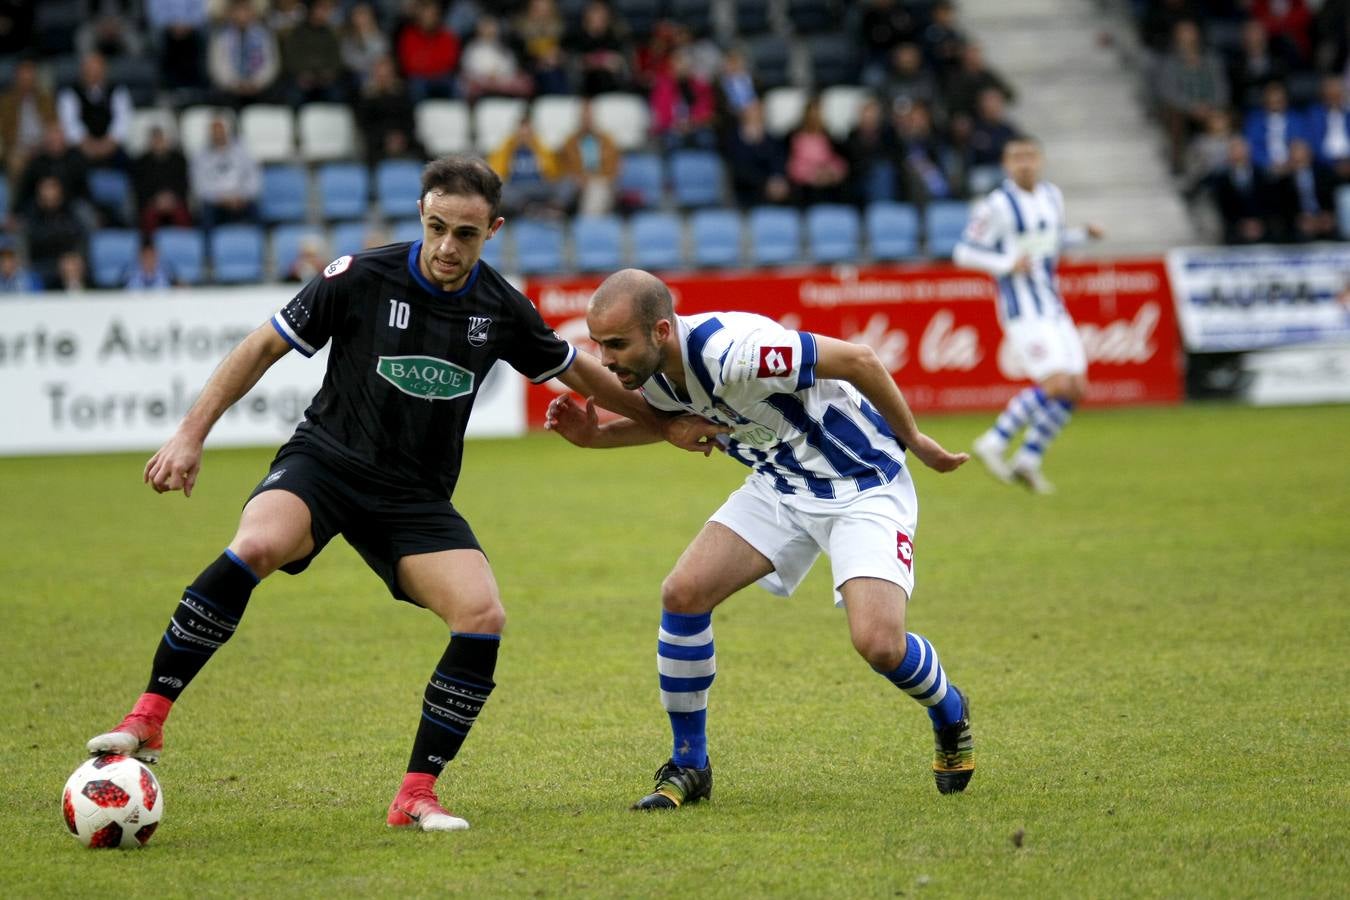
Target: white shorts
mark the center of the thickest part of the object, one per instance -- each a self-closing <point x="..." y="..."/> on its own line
<point x="869" y="535"/>
<point x="1047" y="346"/>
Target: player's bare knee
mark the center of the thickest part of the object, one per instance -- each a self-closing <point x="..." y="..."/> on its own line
<point x="883" y="652"/>
<point x="259" y="552"/>
<point x="681" y="595"/>
<point x="487" y="617"/>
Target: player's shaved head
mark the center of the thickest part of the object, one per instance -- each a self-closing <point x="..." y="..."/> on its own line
<point x="645" y="295"/>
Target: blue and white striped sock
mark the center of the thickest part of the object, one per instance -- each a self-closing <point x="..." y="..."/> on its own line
<point x="686" y="665"/>
<point x="1016" y="414"/>
<point x="921" y="676"/>
<point x="1048" y="419"/>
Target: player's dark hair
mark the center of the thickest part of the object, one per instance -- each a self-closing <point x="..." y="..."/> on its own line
<point x="465" y="176"/>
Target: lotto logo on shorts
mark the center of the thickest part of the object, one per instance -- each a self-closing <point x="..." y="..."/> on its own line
<point x="904" y="550"/>
<point x="774" y="361"/>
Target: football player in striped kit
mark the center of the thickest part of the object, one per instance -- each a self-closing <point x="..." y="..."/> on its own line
<point x="1015" y="234"/>
<point x="824" y="430"/>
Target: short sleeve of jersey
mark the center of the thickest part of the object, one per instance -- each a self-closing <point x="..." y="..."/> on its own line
<point x="308" y="321"/>
<point x="778" y="360"/>
<point x="986" y="226"/>
<point x="537" y="352"/>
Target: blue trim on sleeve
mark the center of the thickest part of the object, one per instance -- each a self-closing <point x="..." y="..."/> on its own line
<point x="243" y="565"/>
<point x="806" y="374"/>
<point x="698" y="339"/>
<point x="287" y="338"/>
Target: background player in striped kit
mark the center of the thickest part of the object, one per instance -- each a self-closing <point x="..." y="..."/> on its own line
<point x="1015" y="234"/>
<point x="824" y="430"/>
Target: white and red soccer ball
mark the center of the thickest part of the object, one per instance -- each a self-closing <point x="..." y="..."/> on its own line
<point x="112" y="801"/>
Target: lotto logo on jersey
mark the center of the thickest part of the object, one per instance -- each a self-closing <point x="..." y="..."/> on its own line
<point x="774" y="362"/>
<point x="904" y="550"/>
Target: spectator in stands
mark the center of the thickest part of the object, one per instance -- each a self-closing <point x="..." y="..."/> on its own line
<point x="149" y="273"/>
<point x="990" y="129"/>
<point x="226" y="179"/>
<point x="159" y="178"/>
<point x="310" y="260"/>
<point x="757" y="161"/>
<point x="873" y="152"/>
<point x="14" y="275"/>
<point x="386" y="116"/>
<point x="930" y="170"/>
<point x="1304" y="197"/>
<point x="244" y="59"/>
<point x="1191" y="83"/>
<point x="428" y="53"/>
<point x="532" y="183"/>
<point x="884" y="25"/>
<point x="16" y="26"/>
<point x="311" y="57"/>
<point x="1253" y="64"/>
<point x="591" y="159"/>
<point x="1207" y="155"/>
<point x="943" y="40"/>
<point x="55" y="158"/>
<point x="363" y="43"/>
<point x="1287" y="22"/>
<point x="683" y="106"/>
<point x="26" y="109"/>
<point x="489" y="66"/>
<point x="283" y="16"/>
<point x="909" y="80"/>
<point x="1328" y="126"/>
<point x="1159" y="22"/>
<point x="1331" y="31"/>
<point x="96" y="115"/>
<point x="971" y="79"/>
<point x="540" y="28"/>
<point x="816" y="168"/>
<point x="178" y="31"/>
<point x="1270" y="129"/>
<point x="601" y="51"/>
<point x="72" y="272"/>
<point x="735" y="89"/>
<point x="110" y="35"/>
<point x="1242" y="194"/>
<point x="53" y="229"/>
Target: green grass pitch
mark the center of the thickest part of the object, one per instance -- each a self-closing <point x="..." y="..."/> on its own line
<point x="1158" y="658"/>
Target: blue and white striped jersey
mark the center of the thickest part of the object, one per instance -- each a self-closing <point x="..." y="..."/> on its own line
<point x="805" y="436"/>
<point x="1010" y="223"/>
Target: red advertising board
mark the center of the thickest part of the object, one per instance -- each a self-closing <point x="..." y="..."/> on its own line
<point x="934" y="327"/>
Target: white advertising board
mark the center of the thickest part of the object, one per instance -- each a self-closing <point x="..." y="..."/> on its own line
<point x="107" y="372"/>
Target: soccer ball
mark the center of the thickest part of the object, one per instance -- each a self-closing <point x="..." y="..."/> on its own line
<point x="112" y="801"/>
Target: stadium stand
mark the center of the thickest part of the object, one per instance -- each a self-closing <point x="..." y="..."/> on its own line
<point x="344" y="191"/>
<point x="716" y="238"/>
<point x="236" y="254"/>
<point x="599" y="243"/>
<point x="112" y="252"/>
<point x="183" y="250"/>
<point x="285" y="194"/>
<point x="658" y="242"/>
<point x="775" y="236"/>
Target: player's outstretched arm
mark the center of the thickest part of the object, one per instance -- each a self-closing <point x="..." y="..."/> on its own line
<point x="580" y="425"/>
<point x="175" y="465"/>
<point x="859" y="366"/>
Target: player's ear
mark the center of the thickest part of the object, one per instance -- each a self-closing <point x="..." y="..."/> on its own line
<point x="493" y="228"/>
<point x="662" y="330"/>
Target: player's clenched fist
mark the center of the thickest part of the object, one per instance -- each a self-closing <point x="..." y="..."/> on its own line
<point x="175" y="466"/>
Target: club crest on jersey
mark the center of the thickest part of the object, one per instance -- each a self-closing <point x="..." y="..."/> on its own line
<point x="478" y="330"/>
<point x="904" y="550"/>
<point x="774" y="362"/>
<point x="426" y="376"/>
<point x="337" y="266"/>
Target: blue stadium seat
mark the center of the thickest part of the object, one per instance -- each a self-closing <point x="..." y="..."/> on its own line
<point x="832" y="233"/>
<point x="944" y="221"/>
<point x="183" y="251"/>
<point x="398" y="185"/>
<point x="835" y="58"/>
<point x="892" y="230"/>
<point x="285" y="194"/>
<point x="539" y="246"/>
<point x="642" y="179"/>
<point x="111" y="191"/>
<point x="112" y="253"/>
<point x="344" y="191"/>
<point x="775" y="236"/>
<point x="696" y="178"/>
<point x="880" y="182"/>
<point x="494" y="250"/>
<point x="237" y="254"/>
<point x="768" y="57"/>
<point x="405" y="230"/>
<point x="286" y="246"/>
<point x="348" y="238"/>
<point x="598" y="242"/>
<point x="716" y="235"/>
<point x="752" y="17"/>
<point x="657" y="240"/>
<point x="1343" y="210"/>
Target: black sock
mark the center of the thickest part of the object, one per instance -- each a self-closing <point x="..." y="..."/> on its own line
<point x="204" y="620"/>
<point x="456" y="692"/>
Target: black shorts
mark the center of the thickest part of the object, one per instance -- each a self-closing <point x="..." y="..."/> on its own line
<point x="383" y="524"/>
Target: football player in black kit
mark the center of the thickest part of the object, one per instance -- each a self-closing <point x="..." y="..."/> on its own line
<point x="414" y="329"/>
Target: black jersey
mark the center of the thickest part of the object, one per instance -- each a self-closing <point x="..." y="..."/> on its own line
<point x="407" y="359"/>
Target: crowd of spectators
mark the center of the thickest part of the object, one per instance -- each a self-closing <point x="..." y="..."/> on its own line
<point x="932" y="126"/>
<point x="1253" y="98"/>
